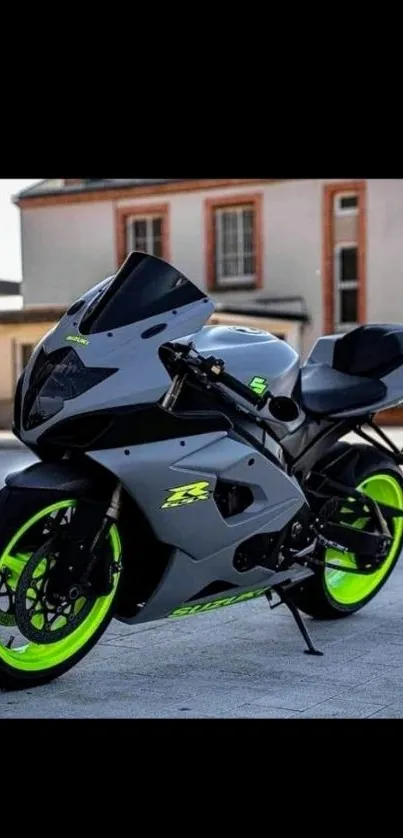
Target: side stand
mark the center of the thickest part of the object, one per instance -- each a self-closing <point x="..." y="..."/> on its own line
<point x="286" y="600"/>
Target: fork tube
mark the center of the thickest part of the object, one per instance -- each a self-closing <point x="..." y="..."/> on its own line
<point x="169" y="400"/>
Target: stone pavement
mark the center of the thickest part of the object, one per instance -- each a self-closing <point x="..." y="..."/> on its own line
<point x="239" y="662"/>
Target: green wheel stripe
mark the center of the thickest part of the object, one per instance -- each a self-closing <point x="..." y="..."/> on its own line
<point x="37" y="658"/>
<point x="350" y="589"/>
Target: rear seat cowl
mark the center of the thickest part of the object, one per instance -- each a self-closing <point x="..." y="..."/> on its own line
<point x="372" y="350"/>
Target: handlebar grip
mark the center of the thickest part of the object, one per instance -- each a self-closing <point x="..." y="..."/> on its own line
<point x="241" y="389"/>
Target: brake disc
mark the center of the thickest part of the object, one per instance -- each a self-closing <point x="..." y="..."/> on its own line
<point x="39" y="618"/>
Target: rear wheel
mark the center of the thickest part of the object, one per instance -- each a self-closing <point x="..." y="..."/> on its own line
<point x="334" y="593"/>
<point x="51" y="637"/>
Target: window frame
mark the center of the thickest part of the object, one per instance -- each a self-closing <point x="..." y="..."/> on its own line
<point x="19" y="355"/>
<point x="342" y="212"/>
<point x="329" y="190"/>
<point x="139" y="212"/>
<point x="223" y="281"/>
<point x="131" y="221"/>
<point x="225" y="203"/>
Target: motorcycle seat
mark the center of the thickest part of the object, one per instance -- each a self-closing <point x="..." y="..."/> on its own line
<point x="372" y="350"/>
<point x="325" y="390"/>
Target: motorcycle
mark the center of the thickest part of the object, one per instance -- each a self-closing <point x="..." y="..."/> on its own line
<point x="183" y="467"/>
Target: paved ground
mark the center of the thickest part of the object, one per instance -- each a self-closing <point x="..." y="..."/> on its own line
<point x="244" y="661"/>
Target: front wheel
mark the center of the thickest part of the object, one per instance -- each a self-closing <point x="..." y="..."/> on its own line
<point x="59" y="636"/>
<point x="333" y="593"/>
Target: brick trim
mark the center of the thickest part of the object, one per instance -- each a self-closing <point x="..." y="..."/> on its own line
<point x="329" y="191"/>
<point x="392" y="416"/>
<point x="117" y="193"/>
<point x="141" y="210"/>
<point x="211" y="204"/>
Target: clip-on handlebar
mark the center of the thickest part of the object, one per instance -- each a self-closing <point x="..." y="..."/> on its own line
<point x="211" y="369"/>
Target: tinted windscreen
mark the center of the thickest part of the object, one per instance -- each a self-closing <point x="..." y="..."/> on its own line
<point x="143" y="287"/>
<point x="55" y="379"/>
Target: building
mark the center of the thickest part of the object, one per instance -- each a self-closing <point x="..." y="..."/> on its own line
<point x="20" y="331"/>
<point x="74" y="233"/>
<point x="10" y="304"/>
<point x="10" y="294"/>
<point x="299" y="257"/>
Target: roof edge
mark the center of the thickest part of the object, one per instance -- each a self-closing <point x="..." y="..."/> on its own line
<point x="32" y="314"/>
<point x="113" y="191"/>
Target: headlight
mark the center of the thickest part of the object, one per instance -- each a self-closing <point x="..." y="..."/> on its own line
<point x="55" y="379"/>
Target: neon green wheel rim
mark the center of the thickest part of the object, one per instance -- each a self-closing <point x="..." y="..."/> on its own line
<point x="33" y="657"/>
<point x="349" y="588"/>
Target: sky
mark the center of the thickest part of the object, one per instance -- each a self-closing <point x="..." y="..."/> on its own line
<point x="10" y="247"/>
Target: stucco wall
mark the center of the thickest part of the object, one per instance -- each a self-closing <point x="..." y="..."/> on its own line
<point x="385" y="250"/>
<point x="65" y="250"/>
<point x="68" y="248"/>
<point x="12" y="334"/>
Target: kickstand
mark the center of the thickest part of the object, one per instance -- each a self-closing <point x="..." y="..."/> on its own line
<point x="286" y="600"/>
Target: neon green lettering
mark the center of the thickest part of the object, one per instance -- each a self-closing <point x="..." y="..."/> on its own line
<point x="258" y="385"/>
<point x="187" y="494"/>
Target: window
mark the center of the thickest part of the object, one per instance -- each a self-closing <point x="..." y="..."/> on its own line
<point x="26" y="350"/>
<point x="144" y="234"/>
<point x="346" y="203"/>
<point x="344" y="281"/>
<point x="22" y="354"/>
<point x="235" y="256"/>
<point x="346" y="286"/>
<point x="142" y="227"/>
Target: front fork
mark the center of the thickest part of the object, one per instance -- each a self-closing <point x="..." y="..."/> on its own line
<point x="173" y="392"/>
<point x="77" y="544"/>
<point x="102" y="571"/>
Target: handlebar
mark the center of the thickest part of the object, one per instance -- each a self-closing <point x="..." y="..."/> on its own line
<point x="213" y="369"/>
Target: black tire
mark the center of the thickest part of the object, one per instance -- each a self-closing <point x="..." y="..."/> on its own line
<point x="313" y="597"/>
<point x="16" y="507"/>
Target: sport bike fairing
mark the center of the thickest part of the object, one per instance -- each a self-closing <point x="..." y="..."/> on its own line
<point x="115" y="330"/>
<point x="174" y="485"/>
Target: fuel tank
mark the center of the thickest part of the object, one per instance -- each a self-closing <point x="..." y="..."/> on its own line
<point x="257" y="358"/>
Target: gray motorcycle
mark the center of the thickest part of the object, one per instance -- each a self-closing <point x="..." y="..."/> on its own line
<point x="183" y="467"/>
